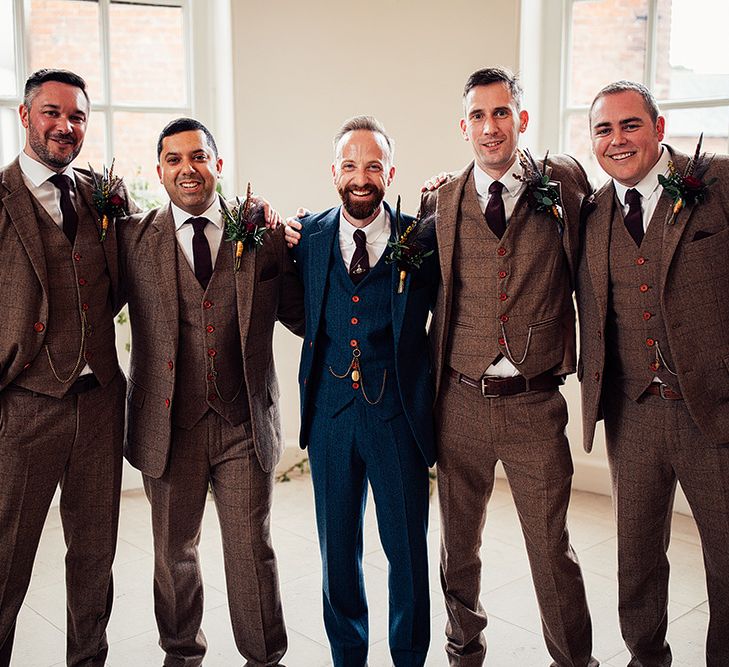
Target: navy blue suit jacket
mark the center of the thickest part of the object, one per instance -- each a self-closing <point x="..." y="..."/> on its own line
<point x="409" y="318"/>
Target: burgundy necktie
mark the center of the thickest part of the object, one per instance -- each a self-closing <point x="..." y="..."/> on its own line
<point x="68" y="212"/>
<point x="634" y="217"/>
<point x="201" y="252"/>
<point x="495" y="213"/>
<point x="359" y="267"/>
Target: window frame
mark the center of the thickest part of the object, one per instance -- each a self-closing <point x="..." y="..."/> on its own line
<point x="102" y="105"/>
<point x="567" y="110"/>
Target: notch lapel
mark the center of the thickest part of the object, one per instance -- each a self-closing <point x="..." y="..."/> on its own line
<point x="163" y="246"/>
<point x="597" y="244"/>
<point x="319" y="252"/>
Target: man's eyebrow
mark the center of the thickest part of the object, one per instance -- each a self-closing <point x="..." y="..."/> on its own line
<point x="632" y="119"/>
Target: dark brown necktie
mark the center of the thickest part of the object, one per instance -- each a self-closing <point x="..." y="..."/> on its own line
<point x="634" y="217"/>
<point x="68" y="212"/>
<point x="359" y="267"/>
<point x="201" y="252"/>
<point x="495" y="212"/>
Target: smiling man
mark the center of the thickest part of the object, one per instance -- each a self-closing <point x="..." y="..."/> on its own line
<point x="503" y="338"/>
<point x="202" y="406"/>
<point x="366" y="398"/>
<point x="61" y="390"/>
<point x="654" y="358"/>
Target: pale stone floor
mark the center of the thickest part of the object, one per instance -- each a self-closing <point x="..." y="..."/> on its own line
<point x="513" y="632"/>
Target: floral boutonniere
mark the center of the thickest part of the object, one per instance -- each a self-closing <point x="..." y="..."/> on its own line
<point x="687" y="188"/>
<point x="106" y="195"/>
<point x="411" y="245"/>
<point x="543" y="193"/>
<point x="244" y="226"/>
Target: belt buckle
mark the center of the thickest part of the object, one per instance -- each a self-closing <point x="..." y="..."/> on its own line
<point x="662" y="391"/>
<point x="484" y="387"/>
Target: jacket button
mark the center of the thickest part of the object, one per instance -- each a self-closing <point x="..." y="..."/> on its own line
<point x="170" y="364"/>
<point x="650" y="342"/>
<point x="646" y="315"/>
<point x="353" y="342"/>
<point x="355" y="385"/>
<point x="82" y="281"/>
<point x="597" y="376"/>
<point x="504" y="318"/>
<point x="311" y="343"/>
<point x="211" y="397"/>
<point x="640" y="261"/>
<point x="502" y="342"/>
<point x="210" y="328"/>
<point x="167" y="402"/>
<point x="212" y="352"/>
<point x="354" y="320"/>
<point x="502" y="274"/>
<point x="644" y="288"/>
<point x="39" y="326"/>
<point x="355" y="299"/>
<point x="84" y="306"/>
<point x="503" y="297"/>
<point x="77" y="256"/>
<point x="211" y="377"/>
<point x="655" y="365"/>
<point x="501" y="252"/>
<point x="207" y="304"/>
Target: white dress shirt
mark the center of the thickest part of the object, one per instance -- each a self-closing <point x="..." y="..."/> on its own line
<point x="377" y="233"/>
<point x="513" y="187"/>
<point x="649" y="188"/>
<point x="35" y="177"/>
<point x="184" y="230"/>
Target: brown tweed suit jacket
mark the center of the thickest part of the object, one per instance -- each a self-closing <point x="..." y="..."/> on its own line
<point x="267" y="288"/>
<point x="23" y="274"/>
<point x="445" y="202"/>
<point x="694" y="289"/>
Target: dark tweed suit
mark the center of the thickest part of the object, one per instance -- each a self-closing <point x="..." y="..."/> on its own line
<point x="653" y="442"/>
<point x="513" y="297"/>
<point x="48" y="434"/>
<point x="232" y="443"/>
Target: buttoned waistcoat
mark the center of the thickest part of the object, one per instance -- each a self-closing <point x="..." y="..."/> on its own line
<point x="267" y="288"/>
<point x="532" y="306"/>
<point x="692" y="287"/>
<point x="24" y="275"/>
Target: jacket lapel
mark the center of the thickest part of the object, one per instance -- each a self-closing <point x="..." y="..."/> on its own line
<point x="19" y="207"/>
<point x="163" y="246"/>
<point x="597" y="243"/>
<point x="245" y="284"/>
<point x="320" y="248"/>
<point x="398" y="302"/>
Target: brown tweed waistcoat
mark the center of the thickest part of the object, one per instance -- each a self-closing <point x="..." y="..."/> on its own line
<point x="209" y="366"/>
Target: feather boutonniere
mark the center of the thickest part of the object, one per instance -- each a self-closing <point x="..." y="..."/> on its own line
<point x="106" y="195"/>
<point x="687" y="188"/>
<point x="412" y="244"/>
<point x="245" y="226"/>
<point x="543" y="194"/>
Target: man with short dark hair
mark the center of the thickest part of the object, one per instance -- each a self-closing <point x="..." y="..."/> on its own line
<point x="202" y="408"/>
<point x="366" y="398"/>
<point x="61" y="390"/>
<point x="502" y="340"/>
<point x="654" y="357"/>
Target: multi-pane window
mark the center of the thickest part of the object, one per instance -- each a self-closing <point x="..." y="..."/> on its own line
<point x="675" y="47"/>
<point x="134" y="57"/>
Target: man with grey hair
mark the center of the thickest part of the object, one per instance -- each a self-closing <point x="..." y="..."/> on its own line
<point x="366" y="397"/>
<point x="61" y="390"/>
<point x="654" y="357"/>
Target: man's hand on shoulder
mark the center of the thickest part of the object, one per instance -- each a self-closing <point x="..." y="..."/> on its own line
<point x="434" y="182"/>
<point x="293" y="227"/>
<point x="271" y="215"/>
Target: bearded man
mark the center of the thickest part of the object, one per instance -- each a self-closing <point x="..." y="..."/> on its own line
<point x="366" y="397"/>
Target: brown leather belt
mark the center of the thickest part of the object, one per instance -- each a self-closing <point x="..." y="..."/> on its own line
<point x="664" y="391"/>
<point x="493" y="387"/>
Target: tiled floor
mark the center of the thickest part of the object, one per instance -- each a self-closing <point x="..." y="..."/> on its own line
<point x="513" y="632"/>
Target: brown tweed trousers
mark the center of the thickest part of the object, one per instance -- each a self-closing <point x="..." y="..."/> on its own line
<point x="48" y="436"/>
<point x="653" y="442"/>
<point x="235" y="458"/>
<point x="525" y="284"/>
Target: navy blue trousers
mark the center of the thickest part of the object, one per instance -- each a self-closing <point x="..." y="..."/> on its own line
<point x="346" y="452"/>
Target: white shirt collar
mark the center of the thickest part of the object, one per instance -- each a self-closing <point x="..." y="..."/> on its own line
<point x="212" y="213"/>
<point x="647" y="186"/>
<point x="372" y="231"/>
<point x="483" y="181"/>
<point x="38" y="173"/>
